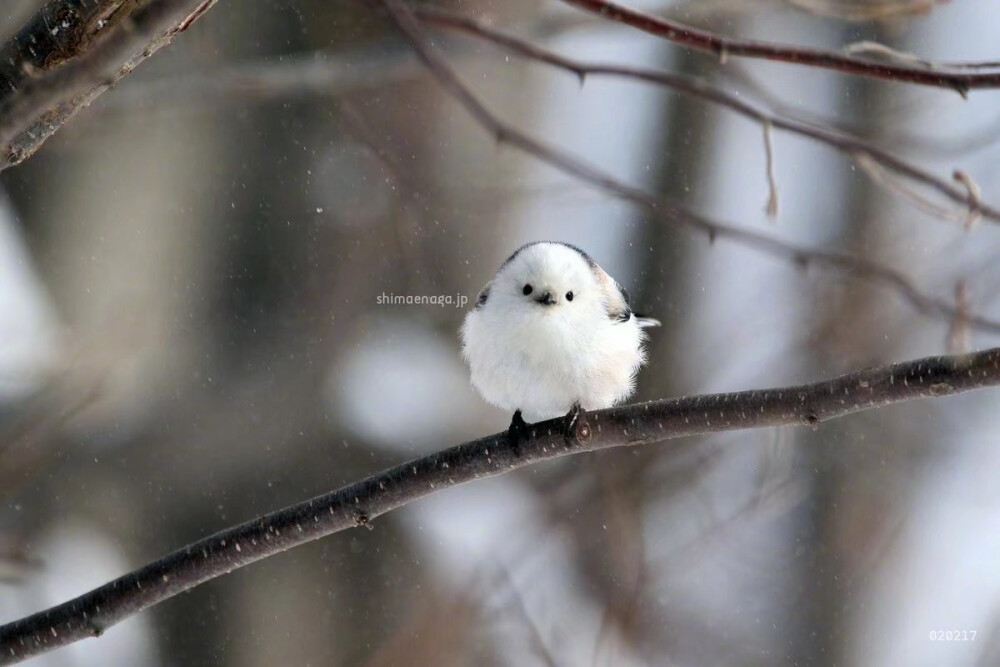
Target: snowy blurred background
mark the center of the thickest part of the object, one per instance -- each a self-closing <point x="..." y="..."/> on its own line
<point x="190" y="335"/>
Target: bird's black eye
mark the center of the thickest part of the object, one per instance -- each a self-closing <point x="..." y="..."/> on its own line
<point x="527" y="290"/>
<point x="569" y="296"/>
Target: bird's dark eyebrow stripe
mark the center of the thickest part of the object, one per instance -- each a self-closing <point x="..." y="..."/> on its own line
<point x="587" y="258"/>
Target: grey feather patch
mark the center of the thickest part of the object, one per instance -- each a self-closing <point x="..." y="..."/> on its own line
<point x="483" y="295"/>
<point x="622" y="310"/>
<point x="623" y="316"/>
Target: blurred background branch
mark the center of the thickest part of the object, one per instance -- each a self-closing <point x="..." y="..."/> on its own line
<point x="668" y="211"/>
<point x="724" y="47"/>
<point x="841" y="141"/>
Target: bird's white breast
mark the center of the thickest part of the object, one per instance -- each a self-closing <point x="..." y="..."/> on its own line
<point x="543" y="360"/>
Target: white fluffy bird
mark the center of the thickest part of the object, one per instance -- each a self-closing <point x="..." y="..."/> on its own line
<point x="553" y="334"/>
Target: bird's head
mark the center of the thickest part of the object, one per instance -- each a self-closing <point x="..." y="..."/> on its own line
<point x="548" y="278"/>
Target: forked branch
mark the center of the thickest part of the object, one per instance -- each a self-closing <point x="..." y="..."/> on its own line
<point x="723" y="47"/>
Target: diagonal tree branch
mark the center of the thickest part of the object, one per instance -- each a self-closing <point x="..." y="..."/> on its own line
<point x="662" y="209"/>
<point x="358" y="504"/>
<point x="697" y="87"/>
<point x="724" y="47"/>
<point x="71" y="52"/>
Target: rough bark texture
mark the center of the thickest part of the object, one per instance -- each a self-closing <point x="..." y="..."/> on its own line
<point x="69" y="53"/>
<point x="358" y="504"/>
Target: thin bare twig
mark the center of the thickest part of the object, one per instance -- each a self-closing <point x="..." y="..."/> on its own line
<point x="772" y="183"/>
<point x="357" y="504"/>
<point x="662" y="209"/>
<point x="697" y="87"/>
<point x="726" y="47"/>
<point x="890" y="181"/>
<point x="975" y="139"/>
<point x="49" y="73"/>
<point x="880" y="49"/>
<point x="864" y="10"/>
<point x="975" y="195"/>
<point x="958" y="333"/>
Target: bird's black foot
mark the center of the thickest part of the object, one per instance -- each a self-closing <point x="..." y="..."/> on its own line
<point x="575" y="425"/>
<point x="517" y="432"/>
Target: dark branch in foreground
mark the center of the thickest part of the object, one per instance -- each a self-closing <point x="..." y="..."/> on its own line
<point x="723" y="47"/>
<point x="662" y="209"/>
<point x="72" y="51"/>
<point x="358" y="504"/>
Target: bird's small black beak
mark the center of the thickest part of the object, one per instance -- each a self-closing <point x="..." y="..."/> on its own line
<point x="546" y="299"/>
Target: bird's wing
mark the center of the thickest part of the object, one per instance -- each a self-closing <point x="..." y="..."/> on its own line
<point x="616" y="297"/>
<point x="484" y="294"/>
<point x="620" y="301"/>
